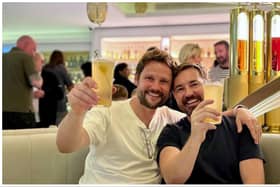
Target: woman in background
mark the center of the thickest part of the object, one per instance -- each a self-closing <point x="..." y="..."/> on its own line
<point x="121" y="74"/>
<point x="191" y="53"/>
<point x="58" y="71"/>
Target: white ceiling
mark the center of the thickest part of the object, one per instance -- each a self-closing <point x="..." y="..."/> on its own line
<point x="46" y="20"/>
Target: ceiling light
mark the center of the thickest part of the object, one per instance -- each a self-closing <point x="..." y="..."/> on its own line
<point x="140" y="8"/>
<point x="97" y="12"/>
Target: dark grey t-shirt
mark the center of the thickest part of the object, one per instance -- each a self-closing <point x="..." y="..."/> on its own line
<point x="220" y="153"/>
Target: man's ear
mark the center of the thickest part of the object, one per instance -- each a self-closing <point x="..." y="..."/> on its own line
<point x="136" y="79"/>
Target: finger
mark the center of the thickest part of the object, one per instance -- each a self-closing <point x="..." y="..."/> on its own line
<point x="201" y="115"/>
<point x="211" y="126"/>
<point x="85" y="90"/>
<point x="252" y="126"/>
<point x="259" y="134"/>
<point x="239" y="125"/>
<point x="213" y="111"/>
<point x="204" y="111"/>
<point x="74" y="100"/>
<point x="204" y="103"/>
<point x="82" y="93"/>
<point x="90" y="83"/>
<point x="84" y="99"/>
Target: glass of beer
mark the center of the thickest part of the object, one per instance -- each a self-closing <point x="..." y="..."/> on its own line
<point x="102" y="74"/>
<point x="214" y="90"/>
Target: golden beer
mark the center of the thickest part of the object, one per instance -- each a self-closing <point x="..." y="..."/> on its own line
<point x="242" y="55"/>
<point x="214" y="91"/>
<point x="102" y="74"/>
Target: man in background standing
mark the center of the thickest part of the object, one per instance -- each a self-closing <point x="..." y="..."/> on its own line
<point x="220" y="69"/>
<point x="19" y="76"/>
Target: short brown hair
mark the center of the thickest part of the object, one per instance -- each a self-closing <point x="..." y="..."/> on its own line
<point x="155" y="54"/>
<point x="222" y="42"/>
<point x="185" y="66"/>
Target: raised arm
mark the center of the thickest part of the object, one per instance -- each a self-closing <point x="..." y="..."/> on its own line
<point x="71" y="135"/>
<point x="177" y="165"/>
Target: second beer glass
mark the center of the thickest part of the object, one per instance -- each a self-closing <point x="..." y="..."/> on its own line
<point x="214" y="91"/>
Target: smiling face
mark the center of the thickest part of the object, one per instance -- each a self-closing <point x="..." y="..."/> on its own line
<point x="188" y="89"/>
<point x="153" y="84"/>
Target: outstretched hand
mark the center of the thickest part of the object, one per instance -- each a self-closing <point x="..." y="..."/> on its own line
<point x="82" y="97"/>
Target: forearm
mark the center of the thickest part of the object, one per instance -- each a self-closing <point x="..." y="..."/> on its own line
<point x="180" y="166"/>
<point x="71" y="136"/>
<point x="36" y="80"/>
<point x="252" y="171"/>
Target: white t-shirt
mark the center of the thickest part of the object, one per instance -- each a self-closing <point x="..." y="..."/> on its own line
<point x="121" y="143"/>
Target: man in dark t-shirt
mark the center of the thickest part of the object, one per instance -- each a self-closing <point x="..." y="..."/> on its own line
<point x="196" y="152"/>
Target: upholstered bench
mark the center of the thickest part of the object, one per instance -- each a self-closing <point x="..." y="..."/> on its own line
<point x="31" y="157"/>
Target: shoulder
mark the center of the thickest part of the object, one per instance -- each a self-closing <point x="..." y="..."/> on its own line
<point x="171" y="112"/>
<point x="176" y="128"/>
<point x="173" y="135"/>
<point x="230" y="124"/>
<point x="120" y="108"/>
<point x="18" y="53"/>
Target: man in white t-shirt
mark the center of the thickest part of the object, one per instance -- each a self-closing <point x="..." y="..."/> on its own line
<point x="122" y="138"/>
<point x="220" y="69"/>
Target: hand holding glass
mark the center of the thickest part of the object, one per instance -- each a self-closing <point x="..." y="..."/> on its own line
<point x="102" y="74"/>
<point x="214" y="91"/>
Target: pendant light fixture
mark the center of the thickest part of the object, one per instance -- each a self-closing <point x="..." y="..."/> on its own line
<point x="97" y="12"/>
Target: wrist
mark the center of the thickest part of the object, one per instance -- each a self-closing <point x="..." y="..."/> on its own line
<point x="196" y="140"/>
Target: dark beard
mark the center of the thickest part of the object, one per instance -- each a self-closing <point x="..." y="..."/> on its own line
<point x="221" y="61"/>
<point x="143" y="100"/>
<point x="185" y="101"/>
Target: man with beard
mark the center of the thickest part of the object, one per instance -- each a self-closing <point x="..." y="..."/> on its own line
<point x="196" y="152"/>
<point x="122" y="138"/>
<point x="220" y="69"/>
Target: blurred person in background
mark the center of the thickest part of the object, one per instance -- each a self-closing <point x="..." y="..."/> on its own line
<point x="19" y="78"/>
<point x="220" y="69"/>
<point x="56" y="65"/>
<point x="119" y="92"/>
<point x="38" y="93"/>
<point x="121" y="74"/>
<point x="54" y="92"/>
<point x="86" y="69"/>
<point x="190" y="53"/>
